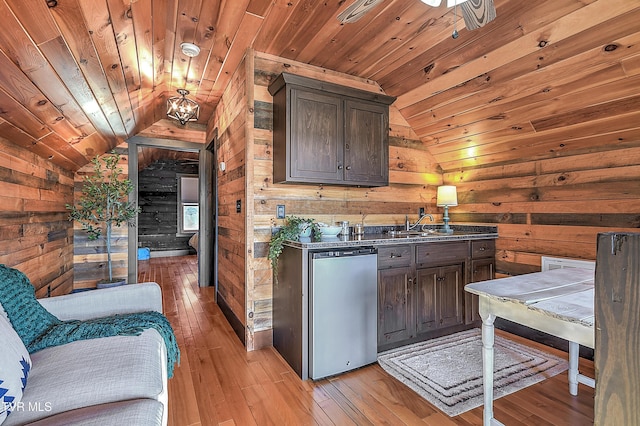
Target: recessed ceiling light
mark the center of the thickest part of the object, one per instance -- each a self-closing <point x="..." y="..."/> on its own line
<point x="190" y="49"/>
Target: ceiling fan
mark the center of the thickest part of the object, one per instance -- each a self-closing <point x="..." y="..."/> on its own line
<point x="476" y="13"/>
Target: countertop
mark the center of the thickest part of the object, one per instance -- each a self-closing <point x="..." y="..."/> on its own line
<point x="379" y="236"/>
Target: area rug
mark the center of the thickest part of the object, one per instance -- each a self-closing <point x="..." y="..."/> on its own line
<point x="447" y="371"/>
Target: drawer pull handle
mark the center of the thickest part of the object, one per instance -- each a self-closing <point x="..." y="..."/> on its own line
<point x="395" y="255"/>
<point x="483" y="248"/>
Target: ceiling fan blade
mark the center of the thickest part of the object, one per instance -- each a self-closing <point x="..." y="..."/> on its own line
<point x="358" y="9"/>
<point x="477" y="13"/>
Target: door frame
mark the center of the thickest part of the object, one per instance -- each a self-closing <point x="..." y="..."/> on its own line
<point x="207" y="240"/>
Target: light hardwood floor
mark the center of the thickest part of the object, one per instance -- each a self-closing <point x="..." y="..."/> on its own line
<point x="219" y="383"/>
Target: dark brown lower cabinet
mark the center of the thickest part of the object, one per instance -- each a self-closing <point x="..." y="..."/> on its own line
<point x="439" y="298"/>
<point x="395" y="305"/>
<point x="421" y="288"/>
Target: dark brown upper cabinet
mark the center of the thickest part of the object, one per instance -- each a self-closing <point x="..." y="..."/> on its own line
<point x="325" y="133"/>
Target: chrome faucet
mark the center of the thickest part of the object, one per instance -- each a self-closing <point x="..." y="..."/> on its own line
<point x="408" y="226"/>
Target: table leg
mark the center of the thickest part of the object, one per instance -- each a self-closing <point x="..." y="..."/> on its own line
<point x="573" y="367"/>
<point x="487" y="365"/>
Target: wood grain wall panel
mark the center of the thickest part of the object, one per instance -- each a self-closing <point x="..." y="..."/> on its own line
<point x="100" y="30"/>
<point x="552" y="207"/>
<point x="36" y="236"/>
<point x="123" y="26"/>
<point x="158" y="199"/>
<point x="556" y="31"/>
<point x="62" y="60"/>
<point x="231" y="122"/>
<point x="142" y="15"/>
<point x="248" y="28"/>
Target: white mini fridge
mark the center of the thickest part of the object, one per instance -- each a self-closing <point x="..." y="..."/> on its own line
<point x="343" y="307"/>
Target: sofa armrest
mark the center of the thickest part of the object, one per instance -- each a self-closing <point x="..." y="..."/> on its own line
<point x="105" y="302"/>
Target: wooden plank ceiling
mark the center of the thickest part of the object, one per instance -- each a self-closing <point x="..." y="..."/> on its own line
<point x="555" y="77"/>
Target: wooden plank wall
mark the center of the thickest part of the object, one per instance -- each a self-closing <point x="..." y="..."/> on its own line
<point x="231" y="121"/>
<point x="414" y="176"/>
<point x="90" y="257"/>
<point x="36" y="236"/>
<point x="158" y="199"/>
<point x="554" y="206"/>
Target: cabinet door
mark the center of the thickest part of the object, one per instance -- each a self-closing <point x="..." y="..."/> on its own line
<point x="426" y="299"/>
<point x="395" y="314"/>
<point x="439" y="296"/>
<point x="366" y="149"/>
<point x="451" y="294"/>
<point x="316" y="152"/>
<point x="481" y="270"/>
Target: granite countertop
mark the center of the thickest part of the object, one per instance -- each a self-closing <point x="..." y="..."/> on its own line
<point x="380" y="235"/>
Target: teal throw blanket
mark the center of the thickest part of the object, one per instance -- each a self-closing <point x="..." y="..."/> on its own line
<point x="39" y="329"/>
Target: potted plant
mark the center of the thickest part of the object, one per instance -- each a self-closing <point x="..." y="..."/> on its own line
<point x="292" y="229"/>
<point x="104" y="203"/>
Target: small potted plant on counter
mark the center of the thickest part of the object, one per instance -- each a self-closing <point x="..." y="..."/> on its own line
<point x="104" y="204"/>
<point x="293" y="228"/>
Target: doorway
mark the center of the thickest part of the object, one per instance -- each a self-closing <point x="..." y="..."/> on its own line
<point x="207" y="241"/>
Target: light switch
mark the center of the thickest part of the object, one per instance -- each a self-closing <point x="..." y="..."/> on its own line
<point x="280" y="211"/>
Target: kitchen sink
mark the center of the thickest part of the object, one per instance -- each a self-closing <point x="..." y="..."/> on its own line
<point x="426" y="233"/>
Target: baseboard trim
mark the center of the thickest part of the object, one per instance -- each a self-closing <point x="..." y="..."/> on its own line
<point x="234" y="321"/>
<point x="169" y="253"/>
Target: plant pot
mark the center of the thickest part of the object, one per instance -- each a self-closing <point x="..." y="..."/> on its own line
<point x="305" y="230"/>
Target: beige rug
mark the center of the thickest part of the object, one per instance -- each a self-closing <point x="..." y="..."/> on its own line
<point x="447" y="371"/>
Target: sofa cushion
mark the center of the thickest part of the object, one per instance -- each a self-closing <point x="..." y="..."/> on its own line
<point x="15" y="365"/>
<point x="138" y="412"/>
<point x="92" y="372"/>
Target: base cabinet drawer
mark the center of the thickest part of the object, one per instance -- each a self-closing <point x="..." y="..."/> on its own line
<point x="483" y="248"/>
<point x="435" y="254"/>
<point x="394" y="256"/>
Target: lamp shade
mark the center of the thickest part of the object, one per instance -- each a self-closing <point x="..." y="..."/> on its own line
<point x="447" y="196"/>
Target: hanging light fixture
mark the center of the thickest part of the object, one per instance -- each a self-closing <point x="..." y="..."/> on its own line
<point x="182" y="109"/>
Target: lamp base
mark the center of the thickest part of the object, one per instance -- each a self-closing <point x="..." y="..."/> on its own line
<point x="446" y="230"/>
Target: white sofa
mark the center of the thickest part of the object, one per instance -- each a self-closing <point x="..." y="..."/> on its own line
<point x="120" y="380"/>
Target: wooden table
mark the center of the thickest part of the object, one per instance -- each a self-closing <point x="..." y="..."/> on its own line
<point x="558" y="302"/>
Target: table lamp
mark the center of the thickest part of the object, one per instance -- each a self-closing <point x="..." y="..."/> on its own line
<point x="447" y="196"/>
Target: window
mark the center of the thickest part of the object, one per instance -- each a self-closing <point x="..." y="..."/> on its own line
<point x="188" y="208"/>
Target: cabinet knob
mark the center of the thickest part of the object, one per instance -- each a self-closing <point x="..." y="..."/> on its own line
<point x="339" y="166"/>
<point x="348" y="167"/>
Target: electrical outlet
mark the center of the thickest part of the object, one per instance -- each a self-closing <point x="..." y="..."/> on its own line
<point x="421" y="211"/>
<point x="280" y="211"/>
<point x="238" y="206"/>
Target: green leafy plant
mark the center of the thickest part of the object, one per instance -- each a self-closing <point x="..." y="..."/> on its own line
<point x="104" y="202"/>
<point x="291" y="231"/>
